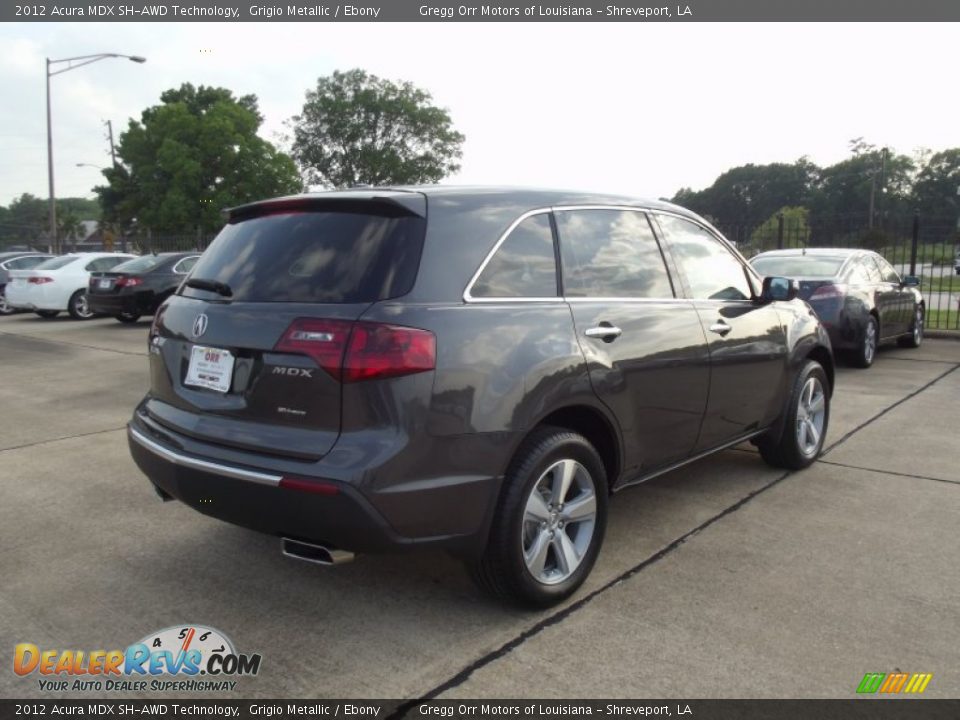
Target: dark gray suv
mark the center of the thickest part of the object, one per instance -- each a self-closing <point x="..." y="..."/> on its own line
<point x="476" y="369"/>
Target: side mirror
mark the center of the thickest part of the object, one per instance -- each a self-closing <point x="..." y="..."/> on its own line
<point x="910" y="281"/>
<point x="779" y="288"/>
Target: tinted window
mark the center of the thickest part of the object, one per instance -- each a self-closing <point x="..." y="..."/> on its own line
<point x="611" y="253"/>
<point x="140" y="264"/>
<point x="104" y="263"/>
<point x="798" y="265"/>
<point x="524" y="265"/>
<point x="886" y="270"/>
<point x="712" y="271"/>
<point x="858" y="274"/>
<point x="325" y="256"/>
<point x="57" y="262"/>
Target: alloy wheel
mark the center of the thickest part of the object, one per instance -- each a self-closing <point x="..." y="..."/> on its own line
<point x="83" y="307"/>
<point x="918" y="326"/>
<point x="4" y="307"/>
<point x="811" y="412"/>
<point x="559" y="521"/>
<point x="870" y="342"/>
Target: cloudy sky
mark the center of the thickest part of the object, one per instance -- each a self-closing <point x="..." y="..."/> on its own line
<point x="626" y="108"/>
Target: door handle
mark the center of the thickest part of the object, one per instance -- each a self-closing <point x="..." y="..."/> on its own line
<point x="608" y="333"/>
<point x="720" y="327"/>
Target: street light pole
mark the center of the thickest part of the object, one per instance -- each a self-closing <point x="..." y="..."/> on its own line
<point x="52" y="210"/>
<point x="87" y="59"/>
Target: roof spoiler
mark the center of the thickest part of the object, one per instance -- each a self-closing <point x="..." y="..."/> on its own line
<point x="392" y="202"/>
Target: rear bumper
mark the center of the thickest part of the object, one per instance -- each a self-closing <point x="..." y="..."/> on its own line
<point x="347" y="518"/>
<point x="133" y="304"/>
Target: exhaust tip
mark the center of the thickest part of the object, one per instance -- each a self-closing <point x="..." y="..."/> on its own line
<point x="318" y="554"/>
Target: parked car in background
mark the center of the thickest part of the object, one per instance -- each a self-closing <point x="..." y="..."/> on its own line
<point x="59" y="284"/>
<point x="137" y="287"/>
<point x="956" y="263"/>
<point x="390" y="369"/>
<point x="857" y="294"/>
<point x="16" y="260"/>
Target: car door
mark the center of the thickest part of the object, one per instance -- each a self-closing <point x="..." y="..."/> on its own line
<point x="747" y="343"/>
<point x="645" y="347"/>
<point x="888" y="296"/>
<point x="903" y="296"/>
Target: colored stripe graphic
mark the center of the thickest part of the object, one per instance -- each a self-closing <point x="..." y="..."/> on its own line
<point x="893" y="683"/>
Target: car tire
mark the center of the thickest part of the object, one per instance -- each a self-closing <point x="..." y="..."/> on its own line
<point x="807" y="416"/>
<point x="866" y="352"/>
<point x="915" y="338"/>
<point x="128" y="318"/>
<point x="531" y="558"/>
<point x="5" y="308"/>
<point x="47" y="314"/>
<point x="78" y="307"/>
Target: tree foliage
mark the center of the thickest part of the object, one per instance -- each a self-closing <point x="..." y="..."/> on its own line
<point x="189" y="157"/>
<point x="937" y="188"/>
<point x="26" y="220"/>
<point x="356" y="128"/>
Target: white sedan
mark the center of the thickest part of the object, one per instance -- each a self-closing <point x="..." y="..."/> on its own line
<point x="59" y="284"/>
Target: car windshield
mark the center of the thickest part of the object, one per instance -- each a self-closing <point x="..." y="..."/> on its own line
<point x="140" y="264"/>
<point x="57" y="262"/>
<point x="812" y="266"/>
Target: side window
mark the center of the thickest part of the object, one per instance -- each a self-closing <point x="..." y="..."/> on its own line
<point x="886" y="270"/>
<point x="712" y="271"/>
<point x="524" y="264"/>
<point x="185" y="265"/>
<point x="871" y="269"/>
<point x="94" y="266"/>
<point x="611" y="253"/>
<point x="858" y="274"/>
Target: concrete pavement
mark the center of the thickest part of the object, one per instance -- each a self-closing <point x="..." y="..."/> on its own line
<point x="725" y="578"/>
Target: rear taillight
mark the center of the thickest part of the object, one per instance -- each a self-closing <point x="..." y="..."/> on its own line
<point x="381" y="351"/>
<point x="829" y="292"/>
<point x="39" y="280"/>
<point x="322" y="340"/>
<point x="128" y="282"/>
<point x="353" y="352"/>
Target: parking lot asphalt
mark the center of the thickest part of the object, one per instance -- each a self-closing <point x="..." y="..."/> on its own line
<point x="722" y="579"/>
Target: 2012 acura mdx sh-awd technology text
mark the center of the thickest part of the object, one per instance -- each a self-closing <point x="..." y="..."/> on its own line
<point x="470" y="368"/>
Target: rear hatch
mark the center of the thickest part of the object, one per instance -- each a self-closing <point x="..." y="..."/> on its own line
<point x="248" y="353"/>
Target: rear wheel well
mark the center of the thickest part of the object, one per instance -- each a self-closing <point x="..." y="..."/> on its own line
<point x="822" y="356"/>
<point x="594" y="427"/>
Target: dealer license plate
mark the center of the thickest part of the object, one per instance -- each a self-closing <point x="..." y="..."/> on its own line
<point x="105" y="283"/>
<point x="210" y="368"/>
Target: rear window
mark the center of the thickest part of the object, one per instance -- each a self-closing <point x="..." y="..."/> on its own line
<point x="319" y="257"/>
<point x="798" y="266"/>
<point x="57" y="262"/>
<point x="140" y="264"/>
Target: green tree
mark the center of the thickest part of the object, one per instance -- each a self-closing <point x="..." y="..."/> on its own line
<point x="69" y="227"/>
<point x="935" y="192"/>
<point x="187" y="158"/>
<point x="357" y="128"/>
<point x="749" y="194"/>
<point x="844" y="189"/>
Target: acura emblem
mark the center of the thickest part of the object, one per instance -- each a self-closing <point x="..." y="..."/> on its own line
<point x="200" y="325"/>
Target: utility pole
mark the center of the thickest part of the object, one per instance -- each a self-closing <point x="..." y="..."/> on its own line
<point x="52" y="209"/>
<point x="113" y="152"/>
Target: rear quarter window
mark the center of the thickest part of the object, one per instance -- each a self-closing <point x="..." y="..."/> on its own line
<point x="314" y="257"/>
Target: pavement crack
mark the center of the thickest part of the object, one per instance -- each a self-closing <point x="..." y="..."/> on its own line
<point x="404" y="708"/>
<point x="60" y="439"/>
<point x="889" y="472"/>
<point x="565" y="612"/>
<point x="887" y="409"/>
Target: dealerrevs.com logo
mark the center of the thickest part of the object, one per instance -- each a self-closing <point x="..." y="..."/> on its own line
<point x="181" y="658"/>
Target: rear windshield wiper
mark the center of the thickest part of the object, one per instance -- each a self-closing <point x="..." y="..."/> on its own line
<point x="221" y="288"/>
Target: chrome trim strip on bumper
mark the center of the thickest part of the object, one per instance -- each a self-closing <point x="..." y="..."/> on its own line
<point x="204" y="465"/>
